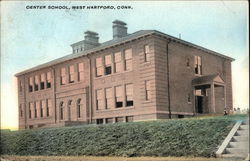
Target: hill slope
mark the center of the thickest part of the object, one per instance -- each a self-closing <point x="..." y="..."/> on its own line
<point x="185" y="137"/>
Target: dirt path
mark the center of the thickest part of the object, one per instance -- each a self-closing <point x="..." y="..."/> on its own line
<point x="88" y="158"/>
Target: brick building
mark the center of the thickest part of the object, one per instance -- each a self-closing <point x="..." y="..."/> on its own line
<point x="146" y="75"/>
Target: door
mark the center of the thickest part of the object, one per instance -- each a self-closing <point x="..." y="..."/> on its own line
<point x="199" y="104"/>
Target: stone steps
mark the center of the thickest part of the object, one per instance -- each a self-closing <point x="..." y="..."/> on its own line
<point x="236" y="144"/>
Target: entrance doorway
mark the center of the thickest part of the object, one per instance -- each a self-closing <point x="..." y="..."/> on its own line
<point x="199" y="104"/>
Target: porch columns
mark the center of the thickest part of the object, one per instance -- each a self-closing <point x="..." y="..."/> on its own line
<point x="212" y="98"/>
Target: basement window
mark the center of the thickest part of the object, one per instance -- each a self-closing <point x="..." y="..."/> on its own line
<point x="99" y="121"/>
<point x="119" y="119"/>
<point x="109" y="120"/>
<point x="129" y="118"/>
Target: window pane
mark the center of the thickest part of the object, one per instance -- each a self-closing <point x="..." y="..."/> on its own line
<point x="118" y="57"/>
<point x="80" y="67"/>
<point x="118" y="67"/>
<point x="63" y="71"/>
<point x="146" y="49"/>
<point x="98" y="62"/>
<point x="81" y="76"/>
<point x="118" y="91"/>
<point x="99" y="71"/>
<point x="108" y="60"/>
<point x="31" y="81"/>
<point x="71" y="69"/>
<point x="128" y="54"/>
<point x="199" y="60"/>
<point x="129" y="89"/>
<point x="48" y="75"/>
<point x="108" y="92"/>
<point x="99" y="94"/>
<point x="148" y="85"/>
<point x="36" y="79"/>
<point x="129" y="64"/>
<point x="43" y="77"/>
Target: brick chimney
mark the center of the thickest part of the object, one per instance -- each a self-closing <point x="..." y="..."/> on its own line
<point x="91" y="40"/>
<point x="119" y="29"/>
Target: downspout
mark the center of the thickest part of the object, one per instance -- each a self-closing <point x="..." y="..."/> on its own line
<point x="54" y="91"/>
<point x="90" y="91"/>
<point x="25" y="103"/>
<point x="168" y="80"/>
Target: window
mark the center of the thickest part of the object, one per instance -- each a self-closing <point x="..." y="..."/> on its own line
<point x="20" y="86"/>
<point x="36" y="82"/>
<point x="109" y="120"/>
<point x="71" y="74"/>
<point x="99" y="121"/>
<point x="36" y="108"/>
<point x="99" y="99"/>
<point x="31" y="107"/>
<point x="198" y="66"/>
<point x="49" y="107"/>
<point x="148" y="90"/>
<point x="146" y="53"/>
<point x="129" y="95"/>
<point x="118" y="62"/>
<point x="63" y="76"/>
<point x="128" y="59"/>
<point x="108" y="68"/>
<point x="43" y="108"/>
<point x="80" y="72"/>
<point x="99" y="67"/>
<point x="129" y="118"/>
<point x="188" y="62"/>
<point x="118" y="97"/>
<point x="61" y="110"/>
<point x="42" y="83"/>
<point x="31" y="83"/>
<point x="119" y="119"/>
<point x="69" y="109"/>
<point x="79" y="104"/>
<point x="108" y="98"/>
<point x="48" y="83"/>
<point x="189" y="98"/>
<point x="21" y="110"/>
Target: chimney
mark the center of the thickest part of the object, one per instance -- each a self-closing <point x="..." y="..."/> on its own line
<point x="119" y="29"/>
<point x="91" y="40"/>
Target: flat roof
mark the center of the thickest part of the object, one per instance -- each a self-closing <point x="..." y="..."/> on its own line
<point x="115" y="42"/>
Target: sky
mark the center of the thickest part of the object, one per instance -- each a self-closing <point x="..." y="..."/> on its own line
<point x="34" y="36"/>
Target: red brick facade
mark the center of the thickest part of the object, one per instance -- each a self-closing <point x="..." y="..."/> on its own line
<point x="147" y="77"/>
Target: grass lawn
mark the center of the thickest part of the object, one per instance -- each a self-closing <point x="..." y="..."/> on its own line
<point x="189" y="137"/>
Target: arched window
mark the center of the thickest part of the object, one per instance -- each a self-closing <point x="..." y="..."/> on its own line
<point x="61" y="110"/>
<point x="79" y="102"/>
<point x="69" y="109"/>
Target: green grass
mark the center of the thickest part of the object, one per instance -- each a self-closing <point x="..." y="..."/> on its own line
<point x="185" y="137"/>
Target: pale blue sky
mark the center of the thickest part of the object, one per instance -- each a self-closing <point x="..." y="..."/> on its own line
<point x="32" y="37"/>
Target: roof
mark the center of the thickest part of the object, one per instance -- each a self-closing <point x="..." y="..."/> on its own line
<point x="208" y="79"/>
<point x="115" y="42"/>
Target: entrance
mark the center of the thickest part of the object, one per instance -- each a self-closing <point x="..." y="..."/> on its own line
<point x="199" y="104"/>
